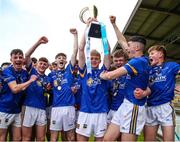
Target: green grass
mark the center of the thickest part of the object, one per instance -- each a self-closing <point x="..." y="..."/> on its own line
<point x="140" y="138"/>
<point x="91" y="139"/>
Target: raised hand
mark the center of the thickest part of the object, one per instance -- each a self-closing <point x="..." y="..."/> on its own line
<point x="90" y="20"/>
<point x="43" y="40"/>
<point x="112" y="19"/>
<point x="73" y="31"/>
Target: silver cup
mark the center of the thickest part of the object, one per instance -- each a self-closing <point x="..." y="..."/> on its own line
<point x="88" y="12"/>
<point x="95" y="27"/>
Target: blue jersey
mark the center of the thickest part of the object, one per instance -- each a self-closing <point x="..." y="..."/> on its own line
<point x="77" y="84"/>
<point x="61" y="82"/>
<point x="137" y="77"/>
<point x="94" y="97"/>
<point x="118" y="92"/>
<point x="10" y="102"/>
<point x="162" y="83"/>
<point x="36" y="92"/>
<point x="1" y="84"/>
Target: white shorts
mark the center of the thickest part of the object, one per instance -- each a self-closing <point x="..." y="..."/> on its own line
<point x="163" y="115"/>
<point x="48" y="112"/>
<point x="62" y="118"/>
<point x="91" y="123"/>
<point x="131" y="118"/>
<point x="110" y="116"/>
<point x="7" y="119"/>
<point x="34" y="116"/>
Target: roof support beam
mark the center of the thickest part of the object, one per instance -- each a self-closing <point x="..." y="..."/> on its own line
<point x="173" y="34"/>
<point x="159" y="10"/>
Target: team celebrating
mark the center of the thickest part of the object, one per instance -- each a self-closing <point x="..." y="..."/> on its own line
<point x="130" y="94"/>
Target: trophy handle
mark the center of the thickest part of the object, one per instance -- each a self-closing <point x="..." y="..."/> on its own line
<point x="81" y="14"/>
<point x="92" y="10"/>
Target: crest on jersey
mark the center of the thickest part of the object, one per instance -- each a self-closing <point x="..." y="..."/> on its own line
<point x="38" y="83"/>
<point x="55" y="83"/>
<point x="89" y="81"/>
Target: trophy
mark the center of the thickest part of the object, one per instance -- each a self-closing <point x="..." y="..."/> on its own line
<point x="96" y="30"/>
<point x="95" y="27"/>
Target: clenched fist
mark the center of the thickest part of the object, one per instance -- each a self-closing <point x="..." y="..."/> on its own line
<point x="43" y="40"/>
<point x="112" y="19"/>
<point x="73" y="31"/>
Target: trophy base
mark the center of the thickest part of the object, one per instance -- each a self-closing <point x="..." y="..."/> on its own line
<point x="95" y="30"/>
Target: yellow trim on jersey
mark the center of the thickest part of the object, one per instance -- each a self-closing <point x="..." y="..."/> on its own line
<point x="82" y="74"/>
<point x="133" y="122"/>
<point x="133" y="69"/>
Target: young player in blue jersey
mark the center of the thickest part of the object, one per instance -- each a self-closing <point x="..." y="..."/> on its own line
<point x="160" y="111"/>
<point x="92" y="117"/>
<point x="118" y="85"/>
<point x="34" y="61"/>
<point x="131" y="113"/>
<point x="53" y="67"/>
<point x="5" y="65"/>
<point x="36" y="100"/>
<point x="16" y="81"/>
<point x="63" y="111"/>
<point x="76" y="88"/>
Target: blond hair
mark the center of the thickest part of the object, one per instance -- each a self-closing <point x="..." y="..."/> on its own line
<point x="160" y="48"/>
<point x="94" y="52"/>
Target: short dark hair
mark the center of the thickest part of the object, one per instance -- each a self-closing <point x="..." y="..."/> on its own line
<point x="16" y="51"/>
<point x="120" y="53"/>
<point x="34" y="60"/>
<point x="44" y="59"/>
<point x="160" y="48"/>
<point x="54" y="63"/>
<point x="140" y="39"/>
<point x="5" y="64"/>
<point x="60" y="54"/>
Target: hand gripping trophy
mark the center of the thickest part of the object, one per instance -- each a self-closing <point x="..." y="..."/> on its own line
<point x="95" y="27"/>
<point x="96" y="30"/>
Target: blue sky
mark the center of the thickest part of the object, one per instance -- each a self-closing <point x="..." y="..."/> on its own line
<point x="23" y="22"/>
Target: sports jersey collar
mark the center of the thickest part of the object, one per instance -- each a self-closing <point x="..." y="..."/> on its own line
<point x="61" y="71"/>
<point x="15" y="71"/>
